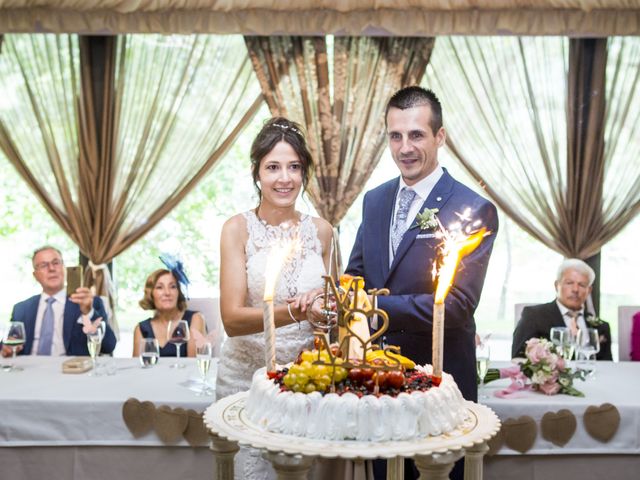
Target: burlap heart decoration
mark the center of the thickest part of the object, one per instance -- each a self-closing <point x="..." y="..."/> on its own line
<point x="170" y="423"/>
<point x="559" y="427"/>
<point x="520" y="433"/>
<point x="601" y="422"/>
<point x="196" y="433"/>
<point x="495" y="444"/>
<point x="138" y="416"/>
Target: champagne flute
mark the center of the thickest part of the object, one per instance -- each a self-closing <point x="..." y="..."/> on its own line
<point x="483" y="354"/>
<point x="94" y="342"/>
<point x="203" y="358"/>
<point x="569" y="345"/>
<point x="178" y="333"/>
<point x="587" y="346"/>
<point x="15" y="337"/>
<point x="149" y="352"/>
<point x="557" y="336"/>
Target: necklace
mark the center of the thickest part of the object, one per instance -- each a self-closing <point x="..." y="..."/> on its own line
<point x="285" y="224"/>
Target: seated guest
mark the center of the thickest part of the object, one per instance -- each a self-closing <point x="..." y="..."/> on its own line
<point x="573" y="286"/>
<point x="162" y="293"/>
<point x="53" y="322"/>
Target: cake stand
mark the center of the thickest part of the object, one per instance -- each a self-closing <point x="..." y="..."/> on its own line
<point x="293" y="456"/>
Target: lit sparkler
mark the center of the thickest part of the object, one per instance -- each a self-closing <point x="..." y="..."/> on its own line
<point x="462" y="238"/>
<point x="276" y="260"/>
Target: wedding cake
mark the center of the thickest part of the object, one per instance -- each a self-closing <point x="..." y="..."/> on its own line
<point x="403" y="405"/>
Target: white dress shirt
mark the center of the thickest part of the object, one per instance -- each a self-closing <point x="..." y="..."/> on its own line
<point x="423" y="188"/>
<point x="57" y="346"/>
<point x="582" y="324"/>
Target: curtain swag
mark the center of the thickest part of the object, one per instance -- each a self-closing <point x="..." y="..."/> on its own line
<point x="554" y="159"/>
<point x="339" y="95"/>
<point x="100" y="142"/>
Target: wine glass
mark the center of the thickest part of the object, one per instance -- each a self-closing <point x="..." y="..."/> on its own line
<point x="149" y="352"/>
<point x="94" y="342"/>
<point x="178" y="333"/>
<point x="203" y="358"/>
<point x="587" y="346"/>
<point x="14" y="337"/>
<point x="483" y="354"/>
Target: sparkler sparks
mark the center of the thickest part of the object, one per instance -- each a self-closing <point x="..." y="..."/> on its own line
<point x="462" y="238"/>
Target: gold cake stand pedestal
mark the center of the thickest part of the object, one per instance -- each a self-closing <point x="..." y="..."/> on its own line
<point x="292" y="457"/>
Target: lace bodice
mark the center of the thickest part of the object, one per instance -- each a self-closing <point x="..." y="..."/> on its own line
<point x="241" y="356"/>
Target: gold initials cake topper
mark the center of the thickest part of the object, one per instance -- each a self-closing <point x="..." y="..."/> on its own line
<point x="348" y="307"/>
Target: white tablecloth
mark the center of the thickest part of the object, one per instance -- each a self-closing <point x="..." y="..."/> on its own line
<point x="58" y="426"/>
<point x="615" y="383"/>
<point x="41" y="406"/>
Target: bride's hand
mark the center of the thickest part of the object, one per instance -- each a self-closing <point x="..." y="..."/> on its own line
<point x="303" y="301"/>
<point x="294" y="310"/>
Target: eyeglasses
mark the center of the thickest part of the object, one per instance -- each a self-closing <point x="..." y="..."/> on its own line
<point x="55" y="263"/>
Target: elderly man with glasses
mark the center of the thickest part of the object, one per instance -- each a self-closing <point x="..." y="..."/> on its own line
<point x="54" y="322"/>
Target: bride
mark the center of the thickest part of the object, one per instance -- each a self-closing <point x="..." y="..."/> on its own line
<point x="281" y="165"/>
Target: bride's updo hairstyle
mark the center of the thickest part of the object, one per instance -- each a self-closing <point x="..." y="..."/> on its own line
<point x="276" y="130"/>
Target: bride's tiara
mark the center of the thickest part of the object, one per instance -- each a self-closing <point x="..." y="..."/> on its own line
<point x="288" y="127"/>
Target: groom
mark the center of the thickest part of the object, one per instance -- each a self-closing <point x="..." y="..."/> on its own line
<point x="393" y="251"/>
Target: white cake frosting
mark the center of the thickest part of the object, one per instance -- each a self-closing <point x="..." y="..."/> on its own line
<point x="346" y="417"/>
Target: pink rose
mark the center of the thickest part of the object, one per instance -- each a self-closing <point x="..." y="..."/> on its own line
<point x="536" y="352"/>
<point x="550" y="388"/>
<point x="531" y="342"/>
<point x="560" y="365"/>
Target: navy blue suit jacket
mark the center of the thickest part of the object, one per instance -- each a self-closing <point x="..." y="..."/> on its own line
<point x="409" y="279"/>
<point x="75" y="340"/>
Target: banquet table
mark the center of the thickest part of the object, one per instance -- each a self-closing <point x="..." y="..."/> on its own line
<point x="582" y="457"/>
<point x="55" y="425"/>
<point x="69" y="426"/>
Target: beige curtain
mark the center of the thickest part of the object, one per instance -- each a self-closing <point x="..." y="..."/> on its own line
<point x="526" y="118"/>
<point x="319" y="17"/>
<point x="339" y="95"/>
<point x="108" y="172"/>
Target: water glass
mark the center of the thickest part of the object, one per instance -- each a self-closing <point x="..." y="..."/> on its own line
<point x="149" y="352"/>
<point x="110" y="366"/>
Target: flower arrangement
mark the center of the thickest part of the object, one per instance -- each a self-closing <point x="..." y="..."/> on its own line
<point x="544" y="370"/>
<point x="426" y="219"/>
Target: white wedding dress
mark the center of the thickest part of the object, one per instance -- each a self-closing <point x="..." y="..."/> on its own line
<point x="243" y="355"/>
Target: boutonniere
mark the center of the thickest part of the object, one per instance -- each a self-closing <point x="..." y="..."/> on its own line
<point x="594" y="321"/>
<point x="426" y="219"/>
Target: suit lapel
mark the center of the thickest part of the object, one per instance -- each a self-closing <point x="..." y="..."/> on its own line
<point x="384" y="227"/>
<point x="437" y="199"/>
<point x="29" y="320"/>
<point x="558" y="319"/>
